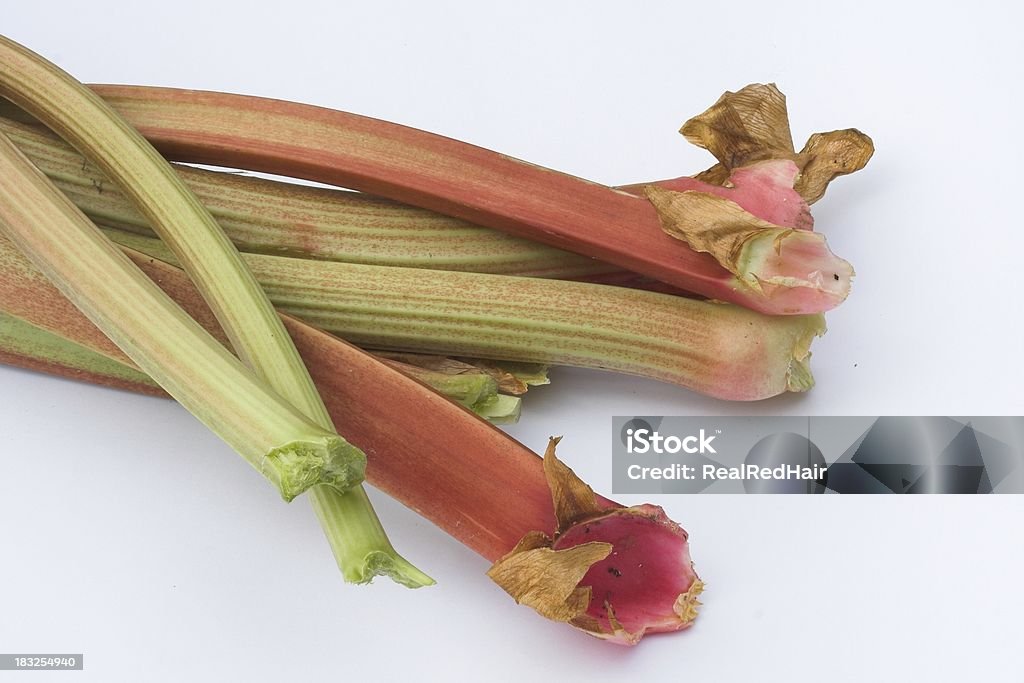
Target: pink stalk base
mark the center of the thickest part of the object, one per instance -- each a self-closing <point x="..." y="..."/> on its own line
<point x="647" y="584"/>
<point x="764" y="189"/>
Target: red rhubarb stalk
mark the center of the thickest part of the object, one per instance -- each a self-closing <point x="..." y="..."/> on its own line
<point x="481" y="186"/>
<point x="270" y="217"/>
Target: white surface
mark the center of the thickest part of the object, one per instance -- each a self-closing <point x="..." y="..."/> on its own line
<point x="130" y="534"/>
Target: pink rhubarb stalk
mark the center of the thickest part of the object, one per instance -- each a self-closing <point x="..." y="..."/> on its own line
<point x="481" y="186"/>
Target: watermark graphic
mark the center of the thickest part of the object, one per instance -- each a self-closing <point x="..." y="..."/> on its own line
<point x="817" y="455"/>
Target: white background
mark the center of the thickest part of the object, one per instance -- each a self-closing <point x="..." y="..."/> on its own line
<point x="130" y="534"/>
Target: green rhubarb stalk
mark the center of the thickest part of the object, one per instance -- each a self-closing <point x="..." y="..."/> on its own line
<point x="25" y="345"/>
<point x="163" y="340"/>
<point x="264" y="216"/>
<point x="26" y="293"/>
<point x="256" y="333"/>
<point x="718" y="349"/>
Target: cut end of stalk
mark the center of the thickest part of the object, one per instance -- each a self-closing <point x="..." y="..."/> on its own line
<point x="785" y="270"/>
<point x="614" y="573"/>
<point x="330" y="460"/>
<point x="795" y="270"/>
<point x="646" y="584"/>
<point x="389" y="564"/>
<point x="360" y="546"/>
<point x="777" y="361"/>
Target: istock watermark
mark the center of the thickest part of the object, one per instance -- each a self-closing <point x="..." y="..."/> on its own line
<point x="657" y="454"/>
<point x="647" y="441"/>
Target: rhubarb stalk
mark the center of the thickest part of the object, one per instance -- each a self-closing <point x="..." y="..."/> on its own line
<point x="293" y="453"/>
<point x="270" y="217"/>
<point x="25" y="345"/>
<point x="27" y="295"/>
<point x="80" y="117"/>
<point x="717" y="349"/>
<point x="483" y="187"/>
<point x="489" y="492"/>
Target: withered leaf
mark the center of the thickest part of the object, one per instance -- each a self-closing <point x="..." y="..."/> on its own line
<point x="546" y="579"/>
<point x="507" y="382"/>
<point x="531" y="541"/>
<point x="748" y="125"/>
<point x="574" y="500"/>
<point x="712" y="224"/>
<point x="617" y="631"/>
<point x="830" y="155"/>
<point x="752" y="124"/>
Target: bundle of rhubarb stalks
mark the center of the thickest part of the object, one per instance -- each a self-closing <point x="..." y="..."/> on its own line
<point x="377" y="330"/>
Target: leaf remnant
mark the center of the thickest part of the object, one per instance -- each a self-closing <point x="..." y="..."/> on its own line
<point x="548" y="580"/>
<point x="752" y="124"/>
<point x="574" y="500"/>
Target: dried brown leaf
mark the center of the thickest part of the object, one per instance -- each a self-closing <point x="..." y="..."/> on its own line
<point x="752" y="125"/>
<point x="512" y="377"/>
<point x="531" y="541"/>
<point x="574" y="500"/>
<point x="617" y="632"/>
<point x="546" y="579"/>
<point x="829" y="155"/>
<point x="716" y="175"/>
<point x="508" y="383"/>
<point x="712" y="224"/>
<point x="748" y="125"/>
